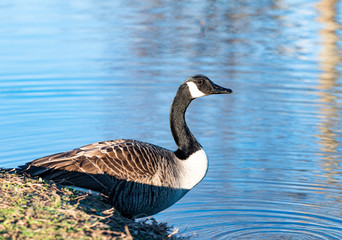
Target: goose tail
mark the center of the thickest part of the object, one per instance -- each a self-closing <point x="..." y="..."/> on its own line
<point x="11" y="170"/>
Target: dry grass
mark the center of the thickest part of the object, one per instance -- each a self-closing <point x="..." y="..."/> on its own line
<point x="35" y="209"/>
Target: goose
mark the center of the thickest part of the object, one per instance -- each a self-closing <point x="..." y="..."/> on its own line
<point x="139" y="179"/>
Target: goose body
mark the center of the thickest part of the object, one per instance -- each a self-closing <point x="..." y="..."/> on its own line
<point x="139" y="179"/>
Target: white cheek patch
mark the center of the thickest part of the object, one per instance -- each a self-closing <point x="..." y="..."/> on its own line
<point x="194" y="91"/>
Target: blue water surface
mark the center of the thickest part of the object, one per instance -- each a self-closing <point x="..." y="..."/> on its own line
<point x="77" y="72"/>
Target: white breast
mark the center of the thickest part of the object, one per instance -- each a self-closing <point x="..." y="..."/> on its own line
<point x="193" y="169"/>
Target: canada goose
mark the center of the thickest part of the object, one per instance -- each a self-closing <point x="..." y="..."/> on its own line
<point x="139" y="179"/>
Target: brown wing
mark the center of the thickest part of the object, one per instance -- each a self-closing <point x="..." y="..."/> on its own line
<point x="100" y="165"/>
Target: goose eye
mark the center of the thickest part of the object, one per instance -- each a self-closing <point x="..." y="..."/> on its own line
<point x="200" y="82"/>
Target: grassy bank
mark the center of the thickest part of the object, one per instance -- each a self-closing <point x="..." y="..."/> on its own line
<point x="35" y="209"/>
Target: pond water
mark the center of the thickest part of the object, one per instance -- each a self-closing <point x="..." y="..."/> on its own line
<point x="77" y="72"/>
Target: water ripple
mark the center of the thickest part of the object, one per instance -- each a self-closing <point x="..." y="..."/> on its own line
<point x="257" y="220"/>
<point x="109" y="69"/>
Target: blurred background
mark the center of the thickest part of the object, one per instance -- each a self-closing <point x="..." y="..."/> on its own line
<point x="81" y="71"/>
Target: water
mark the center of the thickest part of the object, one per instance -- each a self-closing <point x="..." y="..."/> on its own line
<point x="77" y="72"/>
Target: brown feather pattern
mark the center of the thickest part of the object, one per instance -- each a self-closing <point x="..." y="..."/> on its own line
<point x="123" y="159"/>
<point x="138" y="178"/>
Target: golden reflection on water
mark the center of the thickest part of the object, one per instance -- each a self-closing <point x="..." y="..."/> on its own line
<point x="329" y="60"/>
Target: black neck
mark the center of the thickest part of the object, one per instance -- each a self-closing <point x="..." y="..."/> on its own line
<point x="186" y="142"/>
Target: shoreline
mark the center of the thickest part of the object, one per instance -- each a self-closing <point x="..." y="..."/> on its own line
<point x="36" y="209"/>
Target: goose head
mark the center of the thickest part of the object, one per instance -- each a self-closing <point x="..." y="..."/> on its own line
<point x="200" y="86"/>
